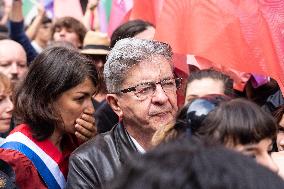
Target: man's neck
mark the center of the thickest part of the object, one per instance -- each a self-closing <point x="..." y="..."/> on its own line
<point x="142" y="136"/>
<point x="56" y="138"/>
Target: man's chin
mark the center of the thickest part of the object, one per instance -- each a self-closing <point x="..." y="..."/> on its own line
<point x="164" y="120"/>
<point x="14" y="81"/>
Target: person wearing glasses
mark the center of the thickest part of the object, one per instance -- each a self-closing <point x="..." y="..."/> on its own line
<point x="142" y="90"/>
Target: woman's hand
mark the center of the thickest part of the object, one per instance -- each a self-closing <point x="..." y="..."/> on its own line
<point x="85" y="126"/>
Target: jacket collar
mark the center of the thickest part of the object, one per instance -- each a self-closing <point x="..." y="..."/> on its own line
<point x="124" y="145"/>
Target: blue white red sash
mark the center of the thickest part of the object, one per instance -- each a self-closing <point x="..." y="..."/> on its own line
<point x="45" y="165"/>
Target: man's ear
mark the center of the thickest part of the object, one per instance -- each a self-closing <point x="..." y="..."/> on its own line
<point x="112" y="100"/>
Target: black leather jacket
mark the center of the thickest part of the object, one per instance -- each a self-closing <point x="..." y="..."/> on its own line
<point x="97" y="161"/>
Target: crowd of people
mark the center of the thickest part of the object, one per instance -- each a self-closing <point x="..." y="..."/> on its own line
<point x="79" y="109"/>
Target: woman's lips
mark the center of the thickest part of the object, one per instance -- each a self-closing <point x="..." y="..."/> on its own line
<point x="6" y="119"/>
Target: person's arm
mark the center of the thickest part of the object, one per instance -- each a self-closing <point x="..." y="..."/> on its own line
<point x="16" y="30"/>
<point x="91" y="17"/>
<point x="16" y="13"/>
<point x="4" y="19"/>
<point x="33" y="28"/>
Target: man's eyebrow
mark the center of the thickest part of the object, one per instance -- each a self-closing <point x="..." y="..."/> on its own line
<point x="149" y="82"/>
<point x="169" y="77"/>
<point x="145" y="83"/>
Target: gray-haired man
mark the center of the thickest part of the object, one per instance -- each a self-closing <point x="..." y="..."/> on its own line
<point x="142" y="92"/>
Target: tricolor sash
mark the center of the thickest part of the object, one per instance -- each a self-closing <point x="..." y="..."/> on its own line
<point x="45" y="165"/>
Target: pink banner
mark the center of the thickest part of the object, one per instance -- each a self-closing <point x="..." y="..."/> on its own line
<point x="119" y="9"/>
<point x="68" y="8"/>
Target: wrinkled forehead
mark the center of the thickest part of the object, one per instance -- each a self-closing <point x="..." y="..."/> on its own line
<point x="158" y="61"/>
<point x="151" y="69"/>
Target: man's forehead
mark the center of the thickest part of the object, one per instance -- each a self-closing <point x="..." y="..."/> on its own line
<point x="8" y="42"/>
<point x="12" y="50"/>
<point x="10" y="45"/>
<point x="155" y="61"/>
<point x="151" y="70"/>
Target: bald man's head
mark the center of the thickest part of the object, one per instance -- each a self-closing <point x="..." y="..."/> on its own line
<point x="13" y="59"/>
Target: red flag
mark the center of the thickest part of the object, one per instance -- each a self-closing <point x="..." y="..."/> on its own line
<point x="148" y="10"/>
<point x="240" y="78"/>
<point x="242" y="35"/>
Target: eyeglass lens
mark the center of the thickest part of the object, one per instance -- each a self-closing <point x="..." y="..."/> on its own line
<point x="146" y="90"/>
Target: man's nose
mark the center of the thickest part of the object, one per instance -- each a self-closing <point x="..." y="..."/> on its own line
<point x="14" y="68"/>
<point x="62" y="33"/>
<point x="159" y="95"/>
<point x="9" y="105"/>
<point x="89" y="105"/>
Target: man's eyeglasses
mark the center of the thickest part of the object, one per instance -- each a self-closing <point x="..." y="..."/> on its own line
<point x="146" y="90"/>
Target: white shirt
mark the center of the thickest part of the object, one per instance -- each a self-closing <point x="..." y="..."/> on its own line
<point x="36" y="47"/>
<point x="137" y="145"/>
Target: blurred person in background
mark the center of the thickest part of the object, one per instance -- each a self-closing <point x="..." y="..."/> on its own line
<point x="43" y="35"/>
<point x="64" y="29"/>
<point x="133" y="28"/>
<point x="91" y="16"/>
<point x="279" y="142"/>
<point x="235" y="123"/>
<point x="5" y="8"/>
<point x="243" y="126"/>
<point x="278" y="115"/>
<point x="39" y="30"/>
<point x="13" y="60"/>
<point x="6" y="105"/>
<point x="13" y="64"/>
<point x="208" y="81"/>
<point x="96" y="47"/>
<point x="190" y="164"/>
<point x="260" y="94"/>
<point x="69" y="29"/>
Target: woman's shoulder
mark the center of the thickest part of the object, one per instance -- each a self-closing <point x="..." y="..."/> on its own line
<point x="14" y="157"/>
<point x="24" y="169"/>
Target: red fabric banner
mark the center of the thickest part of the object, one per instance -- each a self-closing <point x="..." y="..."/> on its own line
<point x="148" y="10"/>
<point x="242" y="35"/>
